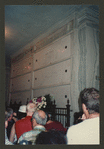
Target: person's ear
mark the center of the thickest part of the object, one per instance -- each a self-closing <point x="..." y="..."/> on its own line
<point x="85" y="110"/>
<point x="84" y="107"/>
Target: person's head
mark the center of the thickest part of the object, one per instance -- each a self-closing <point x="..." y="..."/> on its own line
<point x="51" y="137"/>
<point x="21" y="112"/>
<point x="90" y="101"/>
<point x="39" y="117"/>
<point x="10" y="113"/>
<point x="30" y="108"/>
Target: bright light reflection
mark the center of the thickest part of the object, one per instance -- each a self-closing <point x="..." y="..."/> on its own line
<point x="7" y="32"/>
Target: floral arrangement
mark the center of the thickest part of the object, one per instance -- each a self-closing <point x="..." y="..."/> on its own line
<point x="43" y="102"/>
<point x="40" y="102"/>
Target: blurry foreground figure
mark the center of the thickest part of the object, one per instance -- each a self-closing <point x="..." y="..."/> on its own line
<point x="51" y="137"/>
<point x="87" y="132"/>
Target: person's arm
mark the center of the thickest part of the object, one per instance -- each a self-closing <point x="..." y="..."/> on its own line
<point x="12" y="134"/>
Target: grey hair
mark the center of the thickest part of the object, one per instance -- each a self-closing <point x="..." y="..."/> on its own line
<point x="9" y="111"/>
<point x="6" y="116"/>
<point x="39" y="119"/>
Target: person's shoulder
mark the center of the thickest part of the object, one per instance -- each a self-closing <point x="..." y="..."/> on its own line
<point x="28" y="132"/>
<point x="57" y="122"/>
<point x="75" y="127"/>
<point x="19" y="121"/>
<point x="28" y="118"/>
<point x="25" y="134"/>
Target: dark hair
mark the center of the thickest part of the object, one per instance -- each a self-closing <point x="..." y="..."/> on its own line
<point x="20" y="115"/>
<point x="51" y="137"/>
<point x="90" y="97"/>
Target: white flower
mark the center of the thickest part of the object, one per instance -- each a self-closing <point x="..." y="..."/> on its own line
<point x="44" y="106"/>
<point x="45" y="103"/>
<point x="43" y="98"/>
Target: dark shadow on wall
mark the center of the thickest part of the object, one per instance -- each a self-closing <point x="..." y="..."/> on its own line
<point x="7" y="78"/>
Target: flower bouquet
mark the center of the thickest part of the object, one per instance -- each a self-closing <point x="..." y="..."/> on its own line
<point x="40" y="102"/>
<point x="43" y="103"/>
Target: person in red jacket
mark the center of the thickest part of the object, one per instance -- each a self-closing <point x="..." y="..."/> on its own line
<point x="23" y="125"/>
<point x="55" y="125"/>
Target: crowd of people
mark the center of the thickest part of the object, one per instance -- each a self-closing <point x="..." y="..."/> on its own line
<point x="29" y="126"/>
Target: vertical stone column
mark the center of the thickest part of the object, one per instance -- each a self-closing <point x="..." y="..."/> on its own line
<point x="85" y="54"/>
<point x="92" y="58"/>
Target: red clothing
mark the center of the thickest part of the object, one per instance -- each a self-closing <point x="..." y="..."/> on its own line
<point x="55" y="125"/>
<point x="23" y="125"/>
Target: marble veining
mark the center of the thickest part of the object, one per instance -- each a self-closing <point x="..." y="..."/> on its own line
<point x="82" y="52"/>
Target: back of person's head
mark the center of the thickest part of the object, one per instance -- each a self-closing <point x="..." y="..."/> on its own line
<point x="40" y="117"/>
<point x="90" y="97"/>
<point x="21" y="112"/>
<point x="31" y="107"/>
<point x="51" y="137"/>
<point x="10" y="111"/>
<point x="21" y="115"/>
